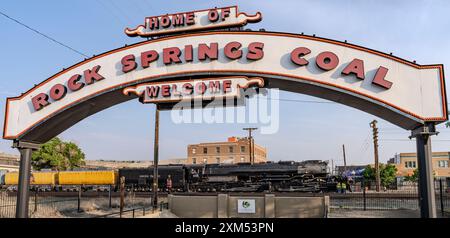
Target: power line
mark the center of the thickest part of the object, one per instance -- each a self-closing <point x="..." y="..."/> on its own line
<point x="410" y="140"/>
<point x="44" y="35"/>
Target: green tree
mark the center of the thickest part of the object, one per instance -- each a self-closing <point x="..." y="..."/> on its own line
<point x="447" y="124"/>
<point x="58" y="155"/>
<point x="387" y="173"/>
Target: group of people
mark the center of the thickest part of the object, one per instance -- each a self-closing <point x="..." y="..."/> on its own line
<point x="343" y="184"/>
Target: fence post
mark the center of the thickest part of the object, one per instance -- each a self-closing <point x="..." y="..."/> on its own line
<point x="110" y="187"/>
<point x="35" y="200"/>
<point x="122" y="194"/>
<point x="440" y="196"/>
<point x="79" y="199"/>
<point x="364" y="194"/>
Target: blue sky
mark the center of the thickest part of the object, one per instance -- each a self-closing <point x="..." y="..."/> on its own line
<point x="414" y="31"/>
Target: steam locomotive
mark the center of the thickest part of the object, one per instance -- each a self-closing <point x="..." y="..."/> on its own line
<point x="283" y="176"/>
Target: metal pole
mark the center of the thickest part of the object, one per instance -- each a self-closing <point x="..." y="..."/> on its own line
<point x="24" y="183"/>
<point x="251" y="151"/>
<point x="373" y="124"/>
<point x="426" y="181"/>
<point x="155" y="158"/>
<point x="440" y="196"/>
<point x="332" y="167"/>
<point x="345" y="161"/>
<point x="122" y="194"/>
<point x="35" y="200"/>
<point x="110" y="196"/>
<point x="364" y="194"/>
<point x="79" y="199"/>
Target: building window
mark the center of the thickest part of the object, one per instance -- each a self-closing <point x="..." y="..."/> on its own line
<point x="218" y="160"/>
<point x="231" y="149"/>
<point x="194" y="150"/>
<point x="217" y="149"/>
<point x="443" y="163"/>
<point x="410" y="164"/>
<point x="242" y="149"/>
<point x="205" y="160"/>
<point x="194" y="160"/>
<point x="205" y="150"/>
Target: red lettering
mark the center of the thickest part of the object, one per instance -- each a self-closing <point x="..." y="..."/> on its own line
<point x="255" y="51"/>
<point x="187" y="88"/>
<point x="226" y="86"/>
<point x="225" y="13"/>
<point x="190" y="18"/>
<point x="214" y="86"/>
<point x="40" y="101"/>
<point x="213" y="15"/>
<point x="299" y="52"/>
<point x="355" y="67"/>
<point x="327" y="60"/>
<point x="212" y="51"/>
<point x="379" y="78"/>
<point x="200" y="87"/>
<point x="232" y="50"/>
<point x="128" y="63"/>
<point x="152" y="91"/>
<point x="153" y="23"/>
<point x="73" y="83"/>
<point x="178" y="20"/>
<point x="148" y="57"/>
<point x="165" y="21"/>
<point x="188" y="52"/>
<point x="58" y="91"/>
<point x="171" y="54"/>
<point x="165" y="91"/>
<point x="90" y="76"/>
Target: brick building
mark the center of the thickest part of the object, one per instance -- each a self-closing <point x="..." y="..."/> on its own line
<point x="406" y="163"/>
<point x="235" y="150"/>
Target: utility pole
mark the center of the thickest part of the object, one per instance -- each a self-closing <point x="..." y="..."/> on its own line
<point x="155" y="159"/>
<point x="345" y="161"/>
<point x="250" y="142"/>
<point x="373" y="124"/>
<point x="332" y="167"/>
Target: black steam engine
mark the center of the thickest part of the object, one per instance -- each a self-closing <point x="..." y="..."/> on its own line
<point x="286" y="176"/>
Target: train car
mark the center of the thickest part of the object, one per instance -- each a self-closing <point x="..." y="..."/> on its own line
<point x="141" y="179"/>
<point x="37" y="178"/>
<point x="308" y="176"/>
<point x="90" y="177"/>
<point x="42" y="181"/>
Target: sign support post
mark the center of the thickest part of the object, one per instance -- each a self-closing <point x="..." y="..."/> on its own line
<point x="25" y="149"/>
<point x="155" y="158"/>
<point x="426" y="179"/>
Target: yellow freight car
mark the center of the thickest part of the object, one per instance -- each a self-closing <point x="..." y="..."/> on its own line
<point x="37" y="178"/>
<point x="87" y="177"/>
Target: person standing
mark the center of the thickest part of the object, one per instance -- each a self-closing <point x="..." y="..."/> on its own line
<point x="169" y="184"/>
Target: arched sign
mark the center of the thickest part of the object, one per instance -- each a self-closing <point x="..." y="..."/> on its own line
<point x="399" y="91"/>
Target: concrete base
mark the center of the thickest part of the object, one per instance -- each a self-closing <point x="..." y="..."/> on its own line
<point x="267" y="206"/>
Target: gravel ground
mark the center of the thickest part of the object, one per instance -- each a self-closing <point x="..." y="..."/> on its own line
<point x="350" y="213"/>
